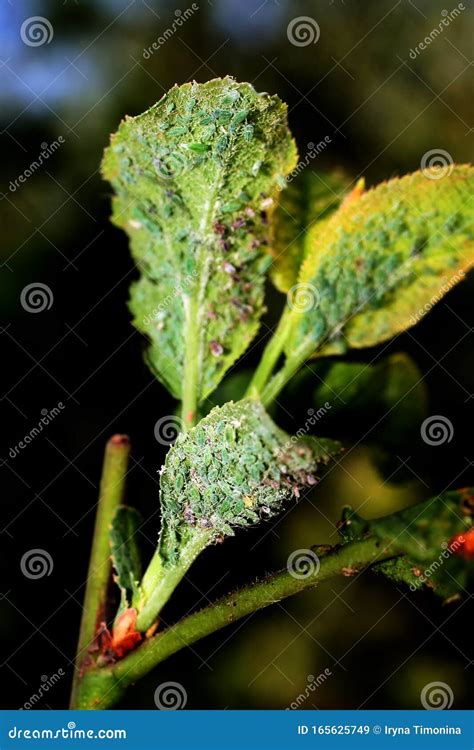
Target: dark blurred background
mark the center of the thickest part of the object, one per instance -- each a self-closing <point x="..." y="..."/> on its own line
<point x="383" y="110"/>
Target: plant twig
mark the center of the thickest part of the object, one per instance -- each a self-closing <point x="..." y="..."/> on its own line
<point x="160" y="580"/>
<point x="112" y="486"/>
<point x="102" y="687"/>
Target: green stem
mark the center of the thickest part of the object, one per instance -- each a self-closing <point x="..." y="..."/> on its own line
<point x="102" y="687"/>
<point x="160" y="579"/>
<point x="270" y="355"/>
<point x="283" y="376"/>
<point x="111" y="494"/>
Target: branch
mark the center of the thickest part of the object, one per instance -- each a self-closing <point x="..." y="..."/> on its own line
<point x="111" y="494"/>
<point x="102" y="687"/>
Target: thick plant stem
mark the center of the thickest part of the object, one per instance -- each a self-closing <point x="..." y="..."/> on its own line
<point x="160" y="580"/>
<point x="102" y="687"/>
<point x="270" y="356"/>
<point x="111" y="494"/>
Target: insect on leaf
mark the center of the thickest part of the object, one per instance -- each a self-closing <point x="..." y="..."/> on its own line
<point x="383" y="260"/>
<point x="235" y="468"/>
<point x="196" y="181"/>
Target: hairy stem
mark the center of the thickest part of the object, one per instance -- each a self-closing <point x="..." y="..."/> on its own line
<point x="112" y="486"/>
<point x="270" y="355"/>
<point x="160" y="579"/>
<point x="102" y="687"/>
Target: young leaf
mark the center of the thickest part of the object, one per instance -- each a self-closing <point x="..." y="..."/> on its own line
<point x="196" y="180"/>
<point x="432" y="537"/>
<point x="125" y="552"/>
<point x="309" y="199"/>
<point x="233" y="469"/>
<point x="383" y="260"/>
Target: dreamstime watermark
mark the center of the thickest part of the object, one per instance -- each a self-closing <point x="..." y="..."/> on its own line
<point x="313" y="684"/>
<point x="314" y="149"/>
<point x="302" y="31"/>
<point x="36" y="31"/>
<point x="71" y="732"/>
<point x="36" y="563"/>
<point x="47" y="150"/>
<point x="47" y="416"/>
<point x="157" y="314"/>
<point x="36" y="297"/>
<point x="180" y="19"/>
<point x="444" y="289"/>
<point x="423" y="577"/>
<point x="170" y="165"/>
<point x="46" y="684"/>
<point x="167" y="429"/>
<point x="437" y="430"/>
<point x="170" y="696"/>
<point x="303" y="563"/>
<point x="314" y="415"/>
<point x="436" y="696"/>
<point x="436" y="164"/>
<point x="303" y="297"/>
<point x="448" y="16"/>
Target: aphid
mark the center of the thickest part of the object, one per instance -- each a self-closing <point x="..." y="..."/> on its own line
<point x="240" y="116"/>
<point x="248" y="132"/>
<point x="238" y="223"/>
<point x="216" y="349"/>
<point x="199" y="148"/>
<point x="230" y="97"/>
<point x="177" y="131"/>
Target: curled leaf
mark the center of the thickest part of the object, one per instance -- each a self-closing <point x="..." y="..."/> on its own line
<point x="126" y="557"/>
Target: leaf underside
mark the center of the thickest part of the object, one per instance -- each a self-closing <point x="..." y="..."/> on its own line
<point x="196" y="179"/>
<point x="428" y="537"/>
<point x="234" y="469"/>
<point x="383" y="260"/>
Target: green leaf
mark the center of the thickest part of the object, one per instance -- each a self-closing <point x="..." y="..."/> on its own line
<point x="430" y="537"/>
<point x="235" y="468"/>
<point x="382" y="261"/>
<point x="125" y="552"/>
<point x="196" y="182"/>
<point x="311" y="198"/>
